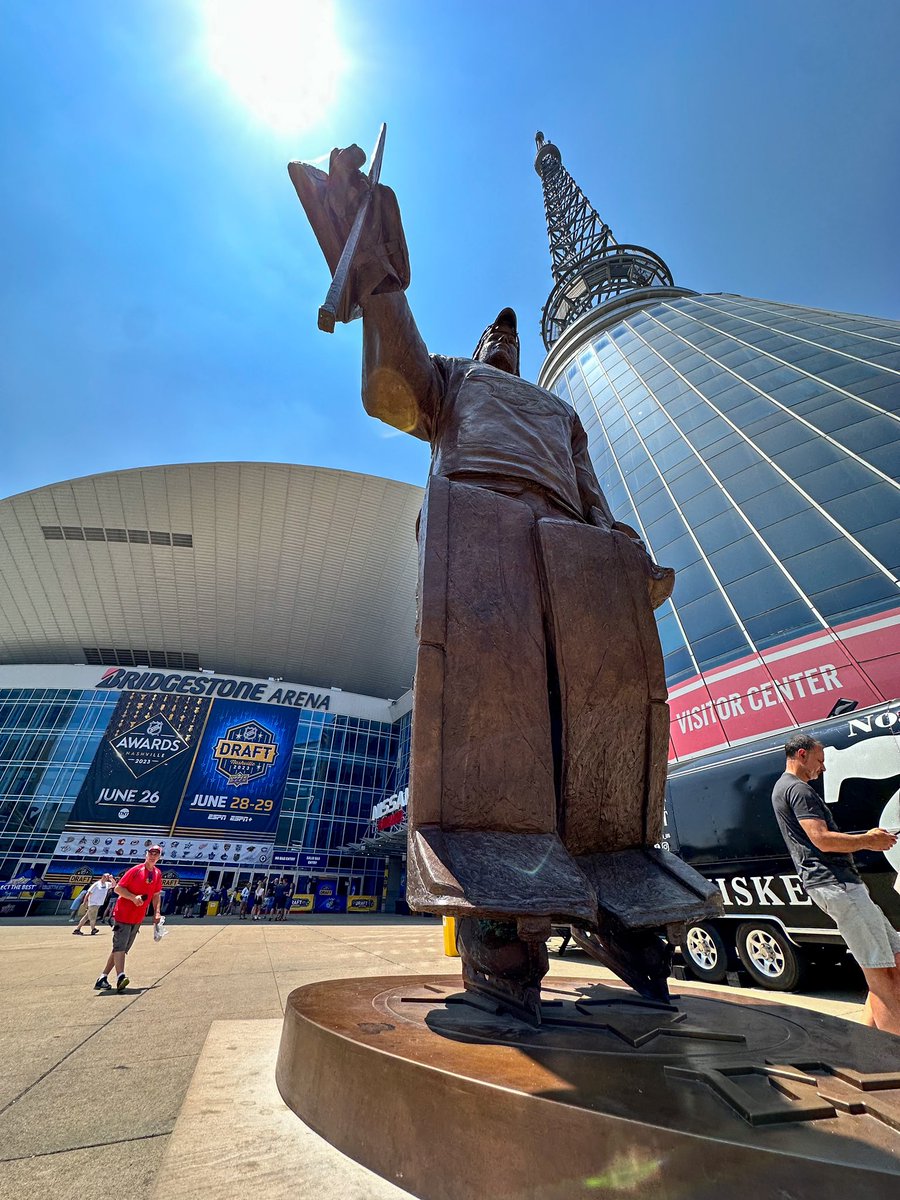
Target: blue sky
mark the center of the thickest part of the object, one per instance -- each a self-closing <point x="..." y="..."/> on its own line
<point x="160" y="284"/>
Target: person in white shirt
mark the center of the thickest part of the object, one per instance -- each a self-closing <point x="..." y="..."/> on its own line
<point x="245" y="901"/>
<point x="96" y="894"/>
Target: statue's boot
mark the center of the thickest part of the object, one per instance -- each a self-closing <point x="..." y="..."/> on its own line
<point x="639" y="892"/>
<point x="641" y="958"/>
<point x="504" y="962"/>
<point x="496" y="875"/>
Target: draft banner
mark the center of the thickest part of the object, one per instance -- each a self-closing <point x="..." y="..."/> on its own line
<point x="138" y="774"/>
<point x="236" y="783"/>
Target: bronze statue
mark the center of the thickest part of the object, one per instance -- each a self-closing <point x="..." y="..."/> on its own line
<point x="540" y="723"/>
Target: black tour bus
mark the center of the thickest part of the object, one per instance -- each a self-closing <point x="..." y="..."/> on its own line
<point x="719" y="819"/>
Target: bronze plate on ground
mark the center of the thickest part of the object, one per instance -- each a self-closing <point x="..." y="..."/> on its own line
<point x="612" y="1096"/>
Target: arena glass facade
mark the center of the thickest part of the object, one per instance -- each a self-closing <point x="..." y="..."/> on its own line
<point x="341" y="766"/>
<point x="756" y="448"/>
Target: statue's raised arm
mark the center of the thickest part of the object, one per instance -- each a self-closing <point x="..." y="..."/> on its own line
<point x="398" y="375"/>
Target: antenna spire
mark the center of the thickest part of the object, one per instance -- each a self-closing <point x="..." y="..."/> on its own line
<point x="589" y="266"/>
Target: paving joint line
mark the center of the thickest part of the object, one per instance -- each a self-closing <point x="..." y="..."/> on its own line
<point x="144" y="1137"/>
<point x="99" y="1029"/>
<point x="272" y="969"/>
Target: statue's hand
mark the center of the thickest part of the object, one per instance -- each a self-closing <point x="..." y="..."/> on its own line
<point x="331" y="202"/>
<point x="345" y="189"/>
<point x="661" y="580"/>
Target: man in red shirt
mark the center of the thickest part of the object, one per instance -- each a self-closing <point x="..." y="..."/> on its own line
<point x="137" y="887"/>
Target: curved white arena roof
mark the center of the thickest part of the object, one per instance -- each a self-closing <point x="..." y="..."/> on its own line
<point x="254" y="569"/>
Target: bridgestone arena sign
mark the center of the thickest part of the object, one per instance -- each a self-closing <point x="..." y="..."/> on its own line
<point x="223" y="686"/>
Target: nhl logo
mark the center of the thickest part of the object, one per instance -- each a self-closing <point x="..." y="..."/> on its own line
<point x="148" y="744"/>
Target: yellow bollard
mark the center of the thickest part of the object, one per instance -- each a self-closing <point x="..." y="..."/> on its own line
<point x="450" y="949"/>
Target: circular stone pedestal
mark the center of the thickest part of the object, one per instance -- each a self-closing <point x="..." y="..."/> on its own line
<point x="613" y="1096"/>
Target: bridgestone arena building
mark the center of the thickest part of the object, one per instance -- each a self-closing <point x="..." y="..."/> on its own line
<point x="217" y="657"/>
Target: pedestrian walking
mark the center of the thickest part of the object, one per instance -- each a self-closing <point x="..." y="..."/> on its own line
<point x="106" y="908"/>
<point x="259" y="897"/>
<point x="280" y="899"/>
<point x="136" y="889"/>
<point x="95" y="896"/>
<point x="77" y="904"/>
<point x="823" y="858"/>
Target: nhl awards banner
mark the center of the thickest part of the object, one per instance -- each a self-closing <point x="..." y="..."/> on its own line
<point x="204" y="778"/>
<point x="137" y="778"/>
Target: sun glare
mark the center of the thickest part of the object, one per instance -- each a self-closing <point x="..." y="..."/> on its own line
<point x="281" y="58"/>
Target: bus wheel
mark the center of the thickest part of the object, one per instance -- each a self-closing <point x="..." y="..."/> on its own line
<point x="769" y="957"/>
<point x="705" y="953"/>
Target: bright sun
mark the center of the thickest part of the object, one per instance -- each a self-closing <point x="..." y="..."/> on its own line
<point x="280" y="58"/>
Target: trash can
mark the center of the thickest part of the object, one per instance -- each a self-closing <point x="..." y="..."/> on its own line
<point x="212" y="909"/>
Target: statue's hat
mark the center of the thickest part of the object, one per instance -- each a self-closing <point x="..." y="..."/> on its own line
<point x="506" y="316"/>
<point x="506" y="319"/>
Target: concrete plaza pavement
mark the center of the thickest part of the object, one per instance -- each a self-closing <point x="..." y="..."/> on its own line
<point x="93" y="1083"/>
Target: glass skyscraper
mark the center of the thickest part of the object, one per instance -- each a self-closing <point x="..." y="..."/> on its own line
<point x="756" y="448"/>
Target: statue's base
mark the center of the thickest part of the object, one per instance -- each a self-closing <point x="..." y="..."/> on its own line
<point x="612" y="1095"/>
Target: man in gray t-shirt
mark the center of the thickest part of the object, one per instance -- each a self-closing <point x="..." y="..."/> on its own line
<point x="824" y="861"/>
<point x="794" y="801"/>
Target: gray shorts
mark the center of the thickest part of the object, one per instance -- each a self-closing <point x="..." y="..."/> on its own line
<point x="123" y="937"/>
<point x="870" y="937"/>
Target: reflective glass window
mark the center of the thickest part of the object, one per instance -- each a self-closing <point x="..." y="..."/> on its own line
<point x="705" y="616"/>
<point x="884" y="542"/>
<point x="670" y="635"/>
<point x="801" y="388"/>
<point x="678" y="666"/>
<point x="870" y="506"/>
<point x="656" y="506"/>
<point x="885" y="458"/>
<point x="720" y="382"/>
<point x="774" y="438"/>
<point x="828" y="566"/>
<point x="808" y="454"/>
<point x="743" y="557"/>
<point x="665" y="528"/>
<point x="774" y="625"/>
<point x="842" y="602"/>
<point x="677" y="553"/>
<point x="885" y="392"/>
<point x="832" y="413"/>
<point x="692" y="582"/>
<point x="871" y="431"/>
<point x="714" y="432"/>
<point x="723" y="529"/>
<point x="719" y="646"/>
<point x="837" y="480"/>
<point x="797" y="533"/>
<point x="733" y="460"/>
<point x="753" y="408"/>
<point x="704" y="507"/>
<point x="691" y="483"/>
<point x="767" y="505"/>
<point x="765" y="589"/>
<point x="672" y="455"/>
<point x="693" y="414"/>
